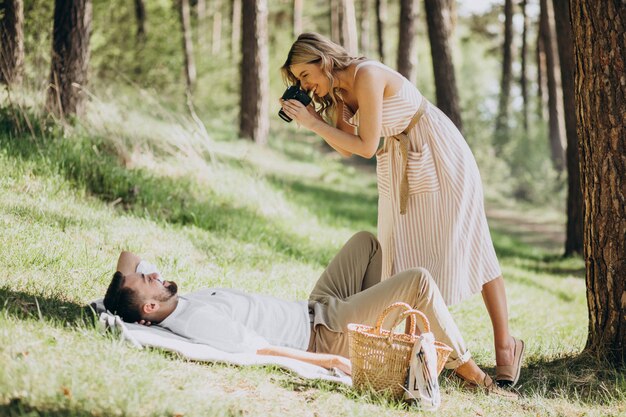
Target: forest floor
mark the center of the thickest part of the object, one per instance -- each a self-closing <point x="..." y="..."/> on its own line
<point x="226" y="213"/>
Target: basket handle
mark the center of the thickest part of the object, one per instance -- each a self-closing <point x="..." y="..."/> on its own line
<point x="389" y="309"/>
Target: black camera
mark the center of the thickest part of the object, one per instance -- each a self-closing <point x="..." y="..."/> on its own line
<point x="294" y="93"/>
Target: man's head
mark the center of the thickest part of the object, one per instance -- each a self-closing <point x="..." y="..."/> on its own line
<point x="138" y="296"/>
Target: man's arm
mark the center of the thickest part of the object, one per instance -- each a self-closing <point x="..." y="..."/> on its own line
<point x="127" y="263"/>
<point x="325" y="360"/>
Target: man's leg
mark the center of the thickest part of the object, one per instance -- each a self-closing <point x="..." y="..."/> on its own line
<point x="355" y="268"/>
<point x="414" y="287"/>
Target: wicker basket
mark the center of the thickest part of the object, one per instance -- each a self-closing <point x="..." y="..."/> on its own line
<point x="380" y="358"/>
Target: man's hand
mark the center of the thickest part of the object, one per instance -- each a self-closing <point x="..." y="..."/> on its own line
<point x="144" y="322"/>
<point x="342" y="364"/>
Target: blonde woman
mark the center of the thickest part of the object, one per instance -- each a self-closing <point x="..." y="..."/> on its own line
<point x="430" y="207"/>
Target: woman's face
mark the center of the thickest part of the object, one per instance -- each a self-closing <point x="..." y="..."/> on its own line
<point x="311" y="78"/>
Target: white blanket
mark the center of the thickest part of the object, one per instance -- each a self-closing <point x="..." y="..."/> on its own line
<point x="139" y="336"/>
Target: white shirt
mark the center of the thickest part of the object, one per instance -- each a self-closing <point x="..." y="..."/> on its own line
<point x="234" y="321"/>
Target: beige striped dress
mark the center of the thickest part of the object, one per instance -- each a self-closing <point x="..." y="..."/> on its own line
<point x="445" y="228"/>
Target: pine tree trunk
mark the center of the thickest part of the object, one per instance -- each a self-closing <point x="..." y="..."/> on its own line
<point x="502" y="120"/>
<point x="555" y="99"/>
<point x="70" y="56"/>
<point x="190" y="67"/>
<point x="201" y="27"/>
<point x="216" y="37"/>
<point x="542" y="77"/>
<point x="381" y="20"/>
<point x="349" y="38"/>
<point x="407" y="52"/>
<point x="335" y="21"/>
<point x="445" y="80"/>
<point x="364" y="25"/>
<point x="140" y="15"/>
<point x="11" y="42"/>
<point x="297" y="17"/>
<point x="600" y="57"/>
<point x="523" y="77"/>
<point x="574" y="229"/>
<point x="235" y="39"/>
<point x="254" y="123"/>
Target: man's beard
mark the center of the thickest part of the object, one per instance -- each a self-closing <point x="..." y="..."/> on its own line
<point x="170" y="291"/>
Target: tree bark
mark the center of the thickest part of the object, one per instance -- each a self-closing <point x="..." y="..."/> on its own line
<point x="235" y="41"/>
<point x="574" y="228"/>
<point x="348" y="27"/>
<point x="11" y="42"/>
<point x="190" y="67"/>
<point x="555" y="98"/>
<point x="502" y="120"/>
<point x="407" y="51"/>
<point x="298" y="5"/>
<point x="216" y="37"/>
<point x="254" y="123"/>
<point x="381" y="20"/>
<point x="140" y="15"/>
<point x="600" y="57"/>
<point x="70" y="57"/>
<point x="364" y="25"/>
<point x="335" y="21"/>
<point x="445" y="80"/>
<point x="523" y="77"/>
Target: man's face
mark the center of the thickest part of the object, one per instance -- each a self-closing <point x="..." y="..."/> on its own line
<point x="150" y="287"/>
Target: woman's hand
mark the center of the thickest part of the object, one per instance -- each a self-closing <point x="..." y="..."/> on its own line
<point x="303" y="115"/>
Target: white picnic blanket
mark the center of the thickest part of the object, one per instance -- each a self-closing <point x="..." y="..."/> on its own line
<point x="154" y="336"/>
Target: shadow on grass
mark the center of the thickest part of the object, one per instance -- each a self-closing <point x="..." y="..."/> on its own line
<point x="31" y="306"/>
<point x="17" y="407"/>
<point x="176" y="201"/>
<point x="333" y="205"/>
<point x="582" y="378"/>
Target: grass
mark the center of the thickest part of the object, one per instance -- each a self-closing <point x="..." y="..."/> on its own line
<point x="217" y="211"/>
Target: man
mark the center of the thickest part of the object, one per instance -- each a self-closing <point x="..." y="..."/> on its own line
<point x="348" y="291"/>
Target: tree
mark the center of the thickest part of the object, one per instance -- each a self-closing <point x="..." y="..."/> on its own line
<point x="201" y="26"/>
<point x="407" y="53"/>
<point x="70" y="56"/>
<point x="502" y="120"/>
<point x="235" y="39"/>
<point x="381" y="19"/>
<point x="523" y="80"/>
<point x="298" y="5"/>
<point x="574" y="228"/>
<point x="555" y="99"/>
<point x="364" y="26"/>
<point x="600" y="57"/>
<point x="216" y="37"/>
<point x="254" y="122"/>
<point x="445" y="80"/>
<point x="343" y="24"/>
<point x="140" y="15"/>
<point x="185" y="21"/>
<point x="11" y="41"/>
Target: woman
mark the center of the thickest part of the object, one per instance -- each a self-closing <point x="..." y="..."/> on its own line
<point x="430" y="209"/>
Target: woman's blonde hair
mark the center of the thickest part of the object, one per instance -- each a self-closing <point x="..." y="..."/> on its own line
<point x="313" y="48"/>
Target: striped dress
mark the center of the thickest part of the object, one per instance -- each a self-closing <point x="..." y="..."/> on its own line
<point x="445" y="228"/>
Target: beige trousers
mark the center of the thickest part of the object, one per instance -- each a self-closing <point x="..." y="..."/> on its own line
<point x="350" y="291"/>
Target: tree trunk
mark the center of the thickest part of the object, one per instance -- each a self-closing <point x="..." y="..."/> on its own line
<point x="381" y="19"/>
<point x="502" y="120"/>
<point x="297" y="17"/>
<point x="349" y="38"/>
<point x="542" y="77"/>
<point x="11" y="42"/>
<point x="201" y="25"/>
<point x="216" y="38"/>
<point x="555" y="97"/>
<point x="364" y="25"/>
<point x="523" y="79"/>
<point x="407" y="51"/>
<point x="190" y="67"/>
<point x="600" y="54"/>
<point x="70" y="56"/>
<point x="254" y="123"/>
<point x="235" y="41"/>
<point x="335" y="21"/>
<point x="140" y="15"/>
<point x="445" y="81"/>
<point x="574" y="229"/>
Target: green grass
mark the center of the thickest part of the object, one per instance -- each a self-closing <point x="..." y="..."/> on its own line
<point x="262" y="220"/>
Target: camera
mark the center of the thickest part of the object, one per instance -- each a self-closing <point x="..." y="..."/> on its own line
<point x="294" y="93"/>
